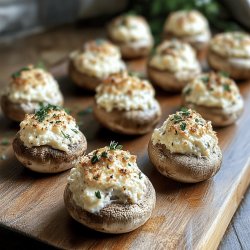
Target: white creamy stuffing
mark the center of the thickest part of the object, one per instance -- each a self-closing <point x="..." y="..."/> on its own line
<point x="186" y="23"/>
<point x="232" y="44"/>
<point x="105" y="176"/>
<point x="175" y="56"/>
<point x="57" y="129"/>
<point x="124" y="92"/>
<point x="186" y="132"/>
<point x="213" y="90"/>
<point x="99" y="58"/>
<point x="32" y="84"/>
<point x="130" y="28"/>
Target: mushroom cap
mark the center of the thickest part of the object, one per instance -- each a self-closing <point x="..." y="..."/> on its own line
<point x="182" y="167"/>
<point x="16" y="111"/>
<point x="220" y="63"/>
<point x="83" y="80"/>
<point x="134" y="122"/>
<point x="167" y="80"/>
<point x="45" y="159"/>
<point x="218" y="116"/>
<point x="116" y="217"/>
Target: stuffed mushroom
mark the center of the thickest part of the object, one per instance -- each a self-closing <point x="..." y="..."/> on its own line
<point x="132" y="35"/>
<point x="216" y="97"/>
<point x="173" y="64"/>
<point x="107" y="192"/>
<point x="189" y="26"/>
<point x="230" y="52"/>
<point x="185" y="148"/>
<point x="29" y="87"/>
<point x="49" y="141"/>
<point x="96" y="61"/>
<point x="126" y="104"/>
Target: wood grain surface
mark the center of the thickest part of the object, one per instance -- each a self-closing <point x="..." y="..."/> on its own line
<point x="191" y="216"/>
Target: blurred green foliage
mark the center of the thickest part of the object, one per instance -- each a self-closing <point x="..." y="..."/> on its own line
<point x="156" y="12"/>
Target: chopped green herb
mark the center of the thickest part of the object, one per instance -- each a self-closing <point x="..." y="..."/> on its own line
<point x="66" y="135"/>
<point x="104" y="154"/>
<point x="183" y="126"/>
<point x="140" y="175"/>
<point x="223" y="73"/>
<point x="129" y="164"/>
<point x="98" y="194"/>
<point x="114" y="145"/>
<point x="185" y="111"/>
<point x="44" y="110"/>
<point x="86" y="111"/>
<point x="205" y="79"/>
<point x="187" y="91"/>
<point x="196" y="120"/>
<point x="67" y="110"/>
<point x="226" y="87"/>
<point x="75" y="130"/>
<point x="177" y="119"/>
<point x="18" y="73"/>
<point x="95" y="158"/>
<point x="5" y="142"/>
<point x="58" y="121"/>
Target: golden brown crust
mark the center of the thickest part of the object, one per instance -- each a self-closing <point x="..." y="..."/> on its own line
<point x="184" y="168"/>
<point x="220" y="63"/>
<point x="83" y="80"/>
<point x="133" y="122"/>
<point x="218" y="116"/>
<point x="167" y="80"/>
<point x="47" y="159"/>
<point x="114" y="218"/>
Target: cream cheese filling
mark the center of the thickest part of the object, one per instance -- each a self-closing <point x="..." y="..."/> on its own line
<point x="192" y="135"/>
<point x="114" y="178"/>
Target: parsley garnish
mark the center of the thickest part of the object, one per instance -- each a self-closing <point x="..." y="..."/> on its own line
<point x="187" y="91"/>
<point x="44" y="110"/>
<point x="5" y="142"/>
<point x="104" y="154"/>
<point x="226" y="87"/>
<point x="114" y="145"/>
<point x="184" y="111"/>
<point x="140" y="175"/>
<point x="205" y="79"/>
<point x="95" y="158"/>
<point x="224" y="73"/>
<point x="98" y="194"/>
<point x="183" y="126"/>
<point x="86" y="111"/>
<point x="66" y="135"/>
<point x="177" y="119"/>
<point x="74" y="130"/>
<point x="18" y="73"/>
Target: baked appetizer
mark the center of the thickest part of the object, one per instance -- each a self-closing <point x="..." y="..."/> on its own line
<point x="185" y="148"/>
<point x="173" y="64"/>
<point x="188" y="26"/>
<point x="107" y="192"/>
<point x="49" y="141"/>
<point x="230" y="52"/>
<point x="216" y="97"/>
<point x="126" y="104"/>
<point x="29" y="87"/>
<point x="132" y="34"/>
<point x="96" y="61"/>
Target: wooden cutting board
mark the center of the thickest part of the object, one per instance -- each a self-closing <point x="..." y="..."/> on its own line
<point x="192" y="216"/>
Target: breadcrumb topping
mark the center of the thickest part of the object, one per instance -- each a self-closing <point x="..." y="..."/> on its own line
<point x="50" y="126"/>
<point x="186" y="132"/>
<point x="232" y="44"/>
<point x="33" y="84"/>
<point x="213" y="90"/>
<point x="130" y="28"/>
<point x="99" y="58"/>
<point x="186" y="23"/>
<point x="104" y="176"/>
<point x="125" y="92"/>
<point x="174" y="55"/>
